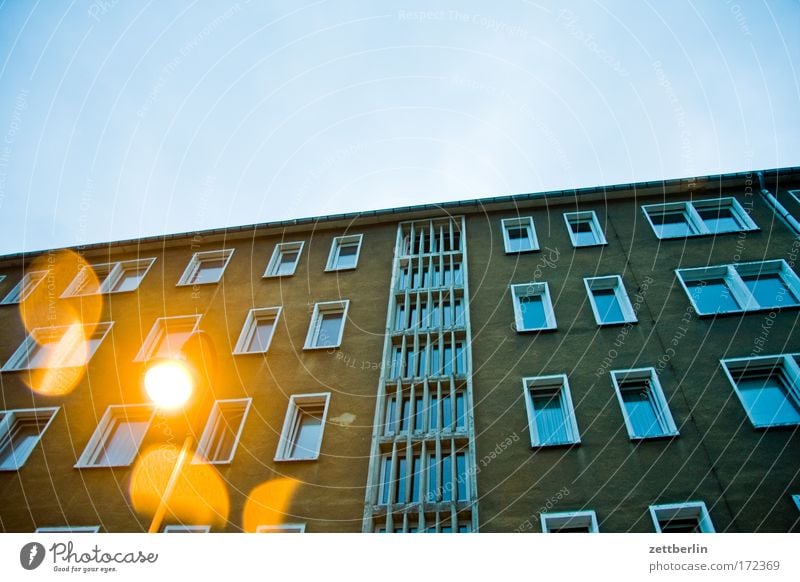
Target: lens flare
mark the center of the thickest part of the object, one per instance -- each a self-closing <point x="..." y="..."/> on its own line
<point x="169" y="384"/>
<point x="268" y="503"/>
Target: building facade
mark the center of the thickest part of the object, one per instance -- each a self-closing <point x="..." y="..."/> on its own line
<point x="613" y="359"/>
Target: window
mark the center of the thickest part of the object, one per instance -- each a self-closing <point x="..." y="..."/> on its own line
<point x="284" y="259"/>
<point x="570" y="522"/>
<point x="117" y="438"/>
<point x="327" y="325"/>
<point x="440" y="357"/>
<point x="24" y="288"/>
<point x="69" y="529"/>
<point x="689" y="517"/>
<point x="20" y="431"/>
<point x="418" y="411"/>
<point x="223" y="429"/>
<point x="551" y="416"/>
<point x="796" y="499"/>
<point x="519" y="235"/>
<point x="68" y="346"/>
<point x="741" y="287"/>
<point x="409" y="476"/>
<point x="643" y="404"/>
<point x="109" y="278"/>
<point x="282" y="528"/>
<point x="768" y="388"/>
<point x="344" y="254"/>
<point x="301" y="436"/>
<point x="699" y="218"/>
<point x="187" y="528"/>
<point x="584" y="229"/>
<point x="610" y="302"/>
<point x="259" y="327"/>
<point x="533" y="310"/>
<point x="795" y="194"/>
<point x="167" y="337"/>
<point x="206" y="267"/>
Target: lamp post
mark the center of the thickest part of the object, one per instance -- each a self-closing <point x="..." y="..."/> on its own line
<point x="170" y="383"/>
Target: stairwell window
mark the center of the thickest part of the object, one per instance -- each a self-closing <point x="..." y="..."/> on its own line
<point x="20" y="432"/>
<point x="119" y="277"/>
<point x="206" y="267"/>
<point x="344" y="254"/>
<point x="24" y="288"/>
<point x="533" y="310"/>
<point x="691" y="517"/>
<point x="643" y="404"/>
<point x="569" y="522"/>
<point x="609" y="301"/>
<point x="301" y="437"/>
<point x="519" y="235"/>
<point x="551" y="415"/>
<point x="698" y="218"/>
<point x="257" y="332"/>
<point x="223" y="430"/>
<point x="768" y="388"/>
<point x="285" y="259"/>
<point x="327" y="325"/>
<point x="584" y="229"/>
<point x="119" y="435"/>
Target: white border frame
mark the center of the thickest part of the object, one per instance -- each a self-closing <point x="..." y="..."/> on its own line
<point x="275" y="259"/>
<point x="20" y="359"/>
<point x="116" y="271"/>
<point x="618" y="285"/>
<point x="790" y="368"/>
<point x="589" y="216"/>
<point x="249" y="328"/>
<point x="695" y="223"/>
<point x="342" y="305"/>
<point x="283" y="528"/>
<point x="208" y="430"/>
<point x="532" y="290"/>
<point x="336" y="245"/>
<point x="696" y="509"/>
<point x="101" y="434"/>
<point x="20" y="287"/>
<point x="658" y="394"/>
<point x="585" y="517"/>
<point x="156" y="332"/>
<point x="296" y="402"/>
<point x="524" y="222"/>
<point x="196" y="262"/>
<point x="532" y="383"/>
<point x="5" y="425"/>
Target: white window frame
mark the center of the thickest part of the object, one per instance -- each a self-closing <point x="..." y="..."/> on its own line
<point x="283" y="528"/>
<point x="590" y="216"/>
<point x="20" y="359"/>
<point x="113" y="274"/>
<point x="196" y="263"/>
<point x="250" y="325"/>
<point x="668" y="427"/>
<point x="296" y="403"/>
<point x="159" y="328"/>
<point x="586" y="518"/>
<point x="789" y="367"/>
<point x="24" y="288"/>
<point x="531" y="290"/>
<point x="520" y="222"/>
<point x="560" y="381"/>
<point x="316" y="322"/>
<point x="695" y="223"/>
<point x="209" y="432"/>
<point x="176" y="528"/>
<point x="610" y="282"/>
<point x="275" y="260"/>
<point x="336" y="245"/>
<point x="8" y="419"/>
<point x="795" y="194"/>
<point x="68" y="529"/>
<point x="732" y="274"/>
<point x="101" y="434"/>
<point x="694" y="509"/>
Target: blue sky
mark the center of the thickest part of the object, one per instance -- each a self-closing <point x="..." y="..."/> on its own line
<point x="124" y="119"/>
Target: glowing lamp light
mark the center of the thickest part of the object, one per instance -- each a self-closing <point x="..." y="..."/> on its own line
<point x="169" y="384"/>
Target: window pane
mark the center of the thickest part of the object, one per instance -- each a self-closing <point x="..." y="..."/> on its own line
<point x="18" y="444"/>
<point x="532" y="310"/>
<point x="641" y="410"/>
<point x="129" y="280"/>
<point x="460" y="421"/>
<point x="347" y="256"/>
<point x="712" y="296"/>
<point x="401" y="481"/>
<point x="608" y="306"/>
<point x="385" y="475"/>
<point x="415" y="478"/>
<point x="767" y="398"/>
<point x="261" y="335"/>
<point x="306" y="438"/>
<point x="519" y="239"/>
<point x="461" y="474"/>
<point x="209" y="271"/>
<point x="447" y="478"/>
<point x="720" y="219"/>
<point x="329" y="327"/>
<point x="583" y="233"/>
<point x="680" y="525"/>
<point x="172" y="342"/>
<point x="669" y="224"/>
<point x="122" y="443"/>
<point x="225" y="430"/>
<point x="769" y="290"/>
<point x="549" y="417"/>
<point x="287" y="262"/>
